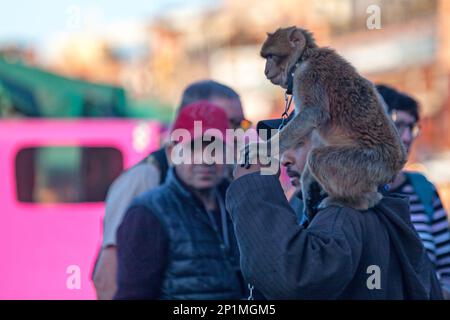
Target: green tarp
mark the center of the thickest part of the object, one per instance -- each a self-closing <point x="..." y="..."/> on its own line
<point x="38" y="93"/>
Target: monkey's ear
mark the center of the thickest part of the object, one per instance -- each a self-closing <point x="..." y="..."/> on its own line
<point x="296" y="38"/>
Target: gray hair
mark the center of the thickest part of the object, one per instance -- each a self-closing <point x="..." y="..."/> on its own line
<point x="205" y="90"/>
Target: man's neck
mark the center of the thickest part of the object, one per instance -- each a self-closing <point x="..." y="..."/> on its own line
<point x="207" y="197"/>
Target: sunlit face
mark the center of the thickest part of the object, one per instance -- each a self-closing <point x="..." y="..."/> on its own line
<point x="201" y="176"/>
<point x="275" y="70"/>
<point x="294" y="159"/>
<point x="407" y="127"/>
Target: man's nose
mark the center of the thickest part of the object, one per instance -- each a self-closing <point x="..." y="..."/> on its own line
<point x="407" y="135"/>
<point x="286" y="159"/>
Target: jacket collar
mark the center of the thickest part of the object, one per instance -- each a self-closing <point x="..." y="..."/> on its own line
<point x="174" y="182"/>
<point x="196" y="206"/>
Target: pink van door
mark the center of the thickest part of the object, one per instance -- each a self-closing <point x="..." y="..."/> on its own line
<point x="54" y="175"/>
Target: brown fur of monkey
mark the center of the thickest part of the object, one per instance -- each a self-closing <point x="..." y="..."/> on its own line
<point x="359" y="148"/>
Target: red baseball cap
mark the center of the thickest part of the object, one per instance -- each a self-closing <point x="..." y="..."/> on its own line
<point x="200" y="118"/>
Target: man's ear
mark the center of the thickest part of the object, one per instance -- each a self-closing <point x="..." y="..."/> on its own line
<point x="168" y="148"/>
<point x="296" y="38"/>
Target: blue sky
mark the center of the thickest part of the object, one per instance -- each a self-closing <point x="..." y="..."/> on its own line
<point x="32" y="21"/>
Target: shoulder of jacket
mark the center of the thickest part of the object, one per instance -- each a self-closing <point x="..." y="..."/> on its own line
<point x="136" y="173"/>
<point x="419" y="177"/>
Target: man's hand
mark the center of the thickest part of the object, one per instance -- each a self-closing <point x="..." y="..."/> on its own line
<point x="250" y="154"/>
<point x="105" y="274"/>
<point x="446" y="294"/>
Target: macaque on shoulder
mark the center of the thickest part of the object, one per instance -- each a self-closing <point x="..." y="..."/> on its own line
<point x="357" y="146"/>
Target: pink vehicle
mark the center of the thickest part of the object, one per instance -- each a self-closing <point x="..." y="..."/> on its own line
<point x="54" y="178"/>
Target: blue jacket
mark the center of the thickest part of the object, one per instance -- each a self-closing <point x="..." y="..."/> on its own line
<point x="202" y="261"/>
<point x="341" y="254"/>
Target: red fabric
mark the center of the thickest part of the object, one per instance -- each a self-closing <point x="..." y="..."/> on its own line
<point x="210" y="115"/>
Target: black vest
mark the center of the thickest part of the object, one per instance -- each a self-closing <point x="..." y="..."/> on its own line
<point x="158" y="158"/>
<point x="200" y="264"/>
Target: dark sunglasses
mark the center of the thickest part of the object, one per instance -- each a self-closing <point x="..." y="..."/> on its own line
<point x="242" y="124"/>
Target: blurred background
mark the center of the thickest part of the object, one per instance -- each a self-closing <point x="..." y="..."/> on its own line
<point x="104" y="59"/>
<point x="87" y="88"/>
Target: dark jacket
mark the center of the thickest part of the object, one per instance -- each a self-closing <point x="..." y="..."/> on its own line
<point x="296" y="203"/>
<point x="336" y="257"/>
<point x="202" y="261"/>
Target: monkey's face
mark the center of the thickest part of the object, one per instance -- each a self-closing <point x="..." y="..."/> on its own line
<point x="275" y="70"/>
<point x="281" y="51"/>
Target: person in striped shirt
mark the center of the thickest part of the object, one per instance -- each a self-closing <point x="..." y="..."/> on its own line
<point x="427" y="213"/>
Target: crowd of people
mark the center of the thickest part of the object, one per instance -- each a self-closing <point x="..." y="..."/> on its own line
<point x="198" y="230"/>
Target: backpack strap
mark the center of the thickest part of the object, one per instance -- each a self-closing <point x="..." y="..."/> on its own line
<point x="425" y="191"/>
<point x="159" y="158"/>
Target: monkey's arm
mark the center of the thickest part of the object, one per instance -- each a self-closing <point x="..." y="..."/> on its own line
<point x="312" y="102"/>
<point x="296" y="130"/>
<point x="311" y="99"/>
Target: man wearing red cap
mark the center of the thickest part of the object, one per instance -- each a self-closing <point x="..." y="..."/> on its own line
<point x="148" y="174"/>
<point x="177" y="241"/>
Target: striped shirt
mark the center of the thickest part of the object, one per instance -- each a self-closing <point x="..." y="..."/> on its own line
<point x="435" y="232"/>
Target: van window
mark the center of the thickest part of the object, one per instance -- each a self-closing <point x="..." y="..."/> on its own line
<point x="66" y="173"/>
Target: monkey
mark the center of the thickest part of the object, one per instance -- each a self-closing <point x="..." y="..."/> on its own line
<point x="356" y="147"/>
